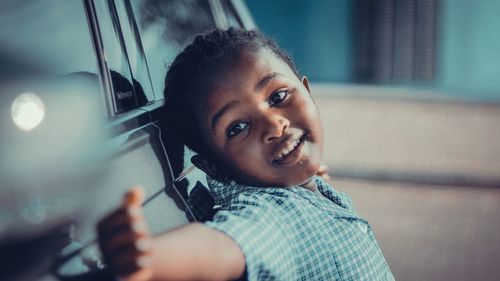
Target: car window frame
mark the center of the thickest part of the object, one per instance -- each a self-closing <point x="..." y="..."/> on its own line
<point x="136" y="116"/>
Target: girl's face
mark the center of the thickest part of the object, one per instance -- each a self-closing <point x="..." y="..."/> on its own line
<point x="262" y="124"/>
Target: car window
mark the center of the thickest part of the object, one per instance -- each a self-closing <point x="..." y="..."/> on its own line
<point x="50" y="37"/>
<point x="165" y="28"/>
<point x="116" y="57"/>
<point x="135" y="51"/>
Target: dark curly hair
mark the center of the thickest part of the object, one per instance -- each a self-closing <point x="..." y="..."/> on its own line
<point x="191" y="77"/>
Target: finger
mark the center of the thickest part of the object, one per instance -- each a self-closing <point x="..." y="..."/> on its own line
<point x="134" y="197"/>
<point x="129" y="262"/>
<point x="117" y="217"/>
<point x="125" y="260"/>
<point x="127" y="257"/>
<point x="140" y="242"/>
<point x="131" y="209"/>
<point x="123" y="215"/>
<point x="109" y="237"/>
<point x="141" y="275"/>
<point x="322" y="169"/>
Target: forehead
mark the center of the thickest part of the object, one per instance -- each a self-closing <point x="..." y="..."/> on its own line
<point x="240" y="80"/>
<point x="247" y="69"/>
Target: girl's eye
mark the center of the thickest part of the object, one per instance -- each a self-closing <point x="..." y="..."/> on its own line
<point x="278" y="97"/>
<point x="236" y="129"/>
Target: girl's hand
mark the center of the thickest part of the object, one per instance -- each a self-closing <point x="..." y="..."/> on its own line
<point x="125" y="240"/>
<point x="323" y="172"/>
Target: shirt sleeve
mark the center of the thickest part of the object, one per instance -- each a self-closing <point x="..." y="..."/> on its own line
<point x="261" y="237"/>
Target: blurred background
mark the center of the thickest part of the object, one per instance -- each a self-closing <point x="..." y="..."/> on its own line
<point x="409" y="93"/>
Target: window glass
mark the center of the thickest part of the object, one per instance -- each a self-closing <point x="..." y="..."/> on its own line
<point x="165" y="28"/>
<point x="135" y="53"/>
<point x="47" y="37"/>
<point x="116" y="56"/>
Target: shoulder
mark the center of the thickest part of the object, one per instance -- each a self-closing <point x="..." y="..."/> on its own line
<point x="255" y="220"/>
<point x="257" y="203"/>
<point x="338" y="197"/>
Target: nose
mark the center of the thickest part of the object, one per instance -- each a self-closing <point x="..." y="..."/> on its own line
<point x="274" y="125"/>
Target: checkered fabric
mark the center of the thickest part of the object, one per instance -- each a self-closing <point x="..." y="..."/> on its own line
<point x="200" y="203"/>
<point x="297" y="234"/>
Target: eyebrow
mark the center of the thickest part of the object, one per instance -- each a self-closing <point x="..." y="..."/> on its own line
<point x="221" y="112"/>
<point x="264" y="81"/>
<point x="258" y="86"/>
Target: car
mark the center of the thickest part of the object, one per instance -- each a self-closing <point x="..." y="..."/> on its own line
<point x="80" y="99"/>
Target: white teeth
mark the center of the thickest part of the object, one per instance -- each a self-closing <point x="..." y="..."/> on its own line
<point x="287" y="150"/>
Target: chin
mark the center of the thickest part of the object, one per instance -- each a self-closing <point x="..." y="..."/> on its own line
<point x="291" y="176"/>
<point x="303" y="176"/>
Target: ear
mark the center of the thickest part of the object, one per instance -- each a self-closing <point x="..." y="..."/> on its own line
<point x="208" y="168"/>
<point x="305" y="82"/>
<point x="203" y="164"/>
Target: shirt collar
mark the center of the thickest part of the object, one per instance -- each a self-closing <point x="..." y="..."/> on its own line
<point x="223" y="192"/>
<point x="323" y="186"/>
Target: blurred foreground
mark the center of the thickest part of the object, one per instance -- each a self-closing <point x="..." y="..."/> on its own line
<point x="424" y="171"/>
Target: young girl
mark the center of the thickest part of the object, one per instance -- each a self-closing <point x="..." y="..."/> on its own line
<point x="251" y="118"/>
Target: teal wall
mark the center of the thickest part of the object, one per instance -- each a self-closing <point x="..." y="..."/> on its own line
<point x="469" y="47"/>
<point x="316" y="34"/>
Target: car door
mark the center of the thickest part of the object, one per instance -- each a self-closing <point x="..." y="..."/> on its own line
<point x="133" y="71"/>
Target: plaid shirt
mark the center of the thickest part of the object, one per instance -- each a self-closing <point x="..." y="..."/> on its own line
<point x="296" y="234"/>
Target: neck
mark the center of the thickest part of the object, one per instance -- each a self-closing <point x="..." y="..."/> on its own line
<point x="310" y="184"/>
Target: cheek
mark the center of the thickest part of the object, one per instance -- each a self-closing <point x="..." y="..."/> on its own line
<point x="246" y="161"/>
<point x="309" y="117"/>
<point x="319" y="132"/>
<point x="246" y="153"/>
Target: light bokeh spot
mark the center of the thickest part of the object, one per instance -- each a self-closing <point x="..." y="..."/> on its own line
<point x="27" y="111"/>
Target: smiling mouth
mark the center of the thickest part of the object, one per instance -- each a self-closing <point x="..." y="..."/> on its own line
<point x="286" y="154"/>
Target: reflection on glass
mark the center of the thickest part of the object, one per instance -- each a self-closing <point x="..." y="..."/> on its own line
<point x="135" y="53"/>
<point x="116" y="56"/>
<point x="166" y="27"/>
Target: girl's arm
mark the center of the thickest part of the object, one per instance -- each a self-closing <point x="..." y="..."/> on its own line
<point x="196" y="252"/>
<point x="190" y="252"/>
